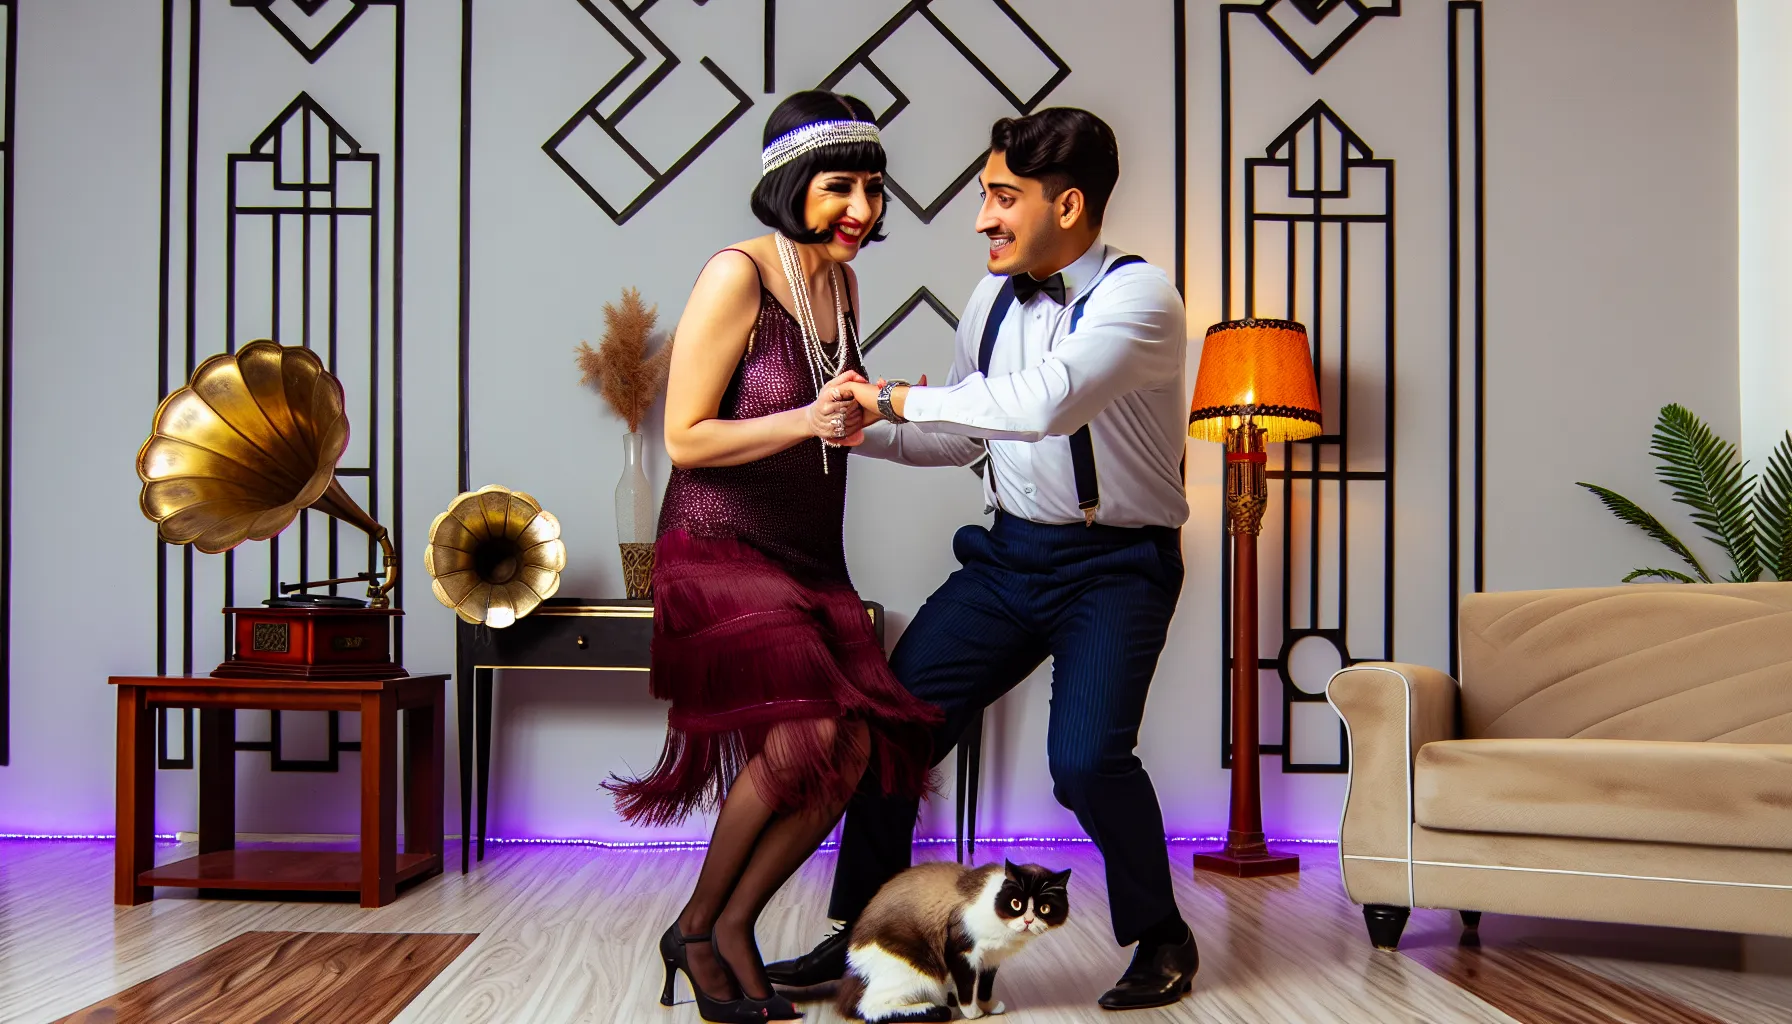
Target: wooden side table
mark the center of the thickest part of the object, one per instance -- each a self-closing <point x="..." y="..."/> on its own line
<point x="375" y="871"/>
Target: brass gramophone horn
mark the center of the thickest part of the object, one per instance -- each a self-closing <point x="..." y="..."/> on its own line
<point x="251" y="440"/>
<point x="494" y="556"/>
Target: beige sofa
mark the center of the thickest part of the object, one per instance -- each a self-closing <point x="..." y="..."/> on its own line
<point x="1612" y="754"/>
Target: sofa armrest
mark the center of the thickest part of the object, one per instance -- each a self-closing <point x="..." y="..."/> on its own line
<point x="1390" y="710"/>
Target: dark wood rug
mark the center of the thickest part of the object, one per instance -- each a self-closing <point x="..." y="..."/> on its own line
<point x="1534" y="987"/>
<point x="279" y="977"/>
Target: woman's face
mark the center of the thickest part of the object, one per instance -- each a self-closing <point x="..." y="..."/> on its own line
<point x="847" y="204"/>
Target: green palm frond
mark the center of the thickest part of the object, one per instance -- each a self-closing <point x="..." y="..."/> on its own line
<point x="1632" y="513"/>
<point x="1669" y="575"/>
<point x="1773" y="511"/>
<point x="1705" y="473"/>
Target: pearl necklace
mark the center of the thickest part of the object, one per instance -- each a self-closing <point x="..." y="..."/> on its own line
<point x="821" y="367"/>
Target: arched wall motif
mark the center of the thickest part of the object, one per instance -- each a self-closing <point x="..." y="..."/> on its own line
<point x="1308" y="232"/>
<point x="284" y="223"/>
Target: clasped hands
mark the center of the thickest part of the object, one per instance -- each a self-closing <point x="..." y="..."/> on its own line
<point x="845" y="407"/>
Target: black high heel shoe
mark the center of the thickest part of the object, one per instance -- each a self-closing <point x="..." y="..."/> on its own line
<point x="740" y="1010"/>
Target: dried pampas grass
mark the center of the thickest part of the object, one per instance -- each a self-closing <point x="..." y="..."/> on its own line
<point x="621" y="368"/>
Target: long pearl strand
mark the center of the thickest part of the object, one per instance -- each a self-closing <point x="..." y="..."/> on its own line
<point x="820" y="366"/>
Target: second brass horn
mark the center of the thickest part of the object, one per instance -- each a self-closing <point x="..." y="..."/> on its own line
<point x="249" y="442"/>
<point x="494" y="556"/>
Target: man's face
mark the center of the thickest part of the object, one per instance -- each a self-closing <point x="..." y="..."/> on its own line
<point x="1022" y="224"/>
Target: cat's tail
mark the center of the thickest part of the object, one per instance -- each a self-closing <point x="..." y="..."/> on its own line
<point x="852" y="989"/>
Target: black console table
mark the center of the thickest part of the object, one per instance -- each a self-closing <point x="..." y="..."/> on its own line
<point x="598" y="635"/>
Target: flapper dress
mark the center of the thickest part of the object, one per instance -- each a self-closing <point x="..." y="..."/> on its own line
<point x="756" y="623"/>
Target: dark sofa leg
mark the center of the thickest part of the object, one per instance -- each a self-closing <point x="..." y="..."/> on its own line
<point x="1471" y="920"/>
<point x="1385" y="924"/>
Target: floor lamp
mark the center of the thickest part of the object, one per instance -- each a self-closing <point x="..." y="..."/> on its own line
<point x="1255" y="386"/>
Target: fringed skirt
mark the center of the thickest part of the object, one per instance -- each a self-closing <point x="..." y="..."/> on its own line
<point x="750" y="656"/>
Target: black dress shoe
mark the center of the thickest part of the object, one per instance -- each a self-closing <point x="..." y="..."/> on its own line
<point x="825" y="963"/>
<point x="1158" y="976"/>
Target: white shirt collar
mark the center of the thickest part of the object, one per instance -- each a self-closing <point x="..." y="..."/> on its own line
<point x="1083" y="271"/>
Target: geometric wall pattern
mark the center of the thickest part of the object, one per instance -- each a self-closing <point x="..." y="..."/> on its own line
<point x="9" y="25"/>
<point x="282" y="216"/>
<point x="305" y="246"/>
<point x="1307" y="219"/>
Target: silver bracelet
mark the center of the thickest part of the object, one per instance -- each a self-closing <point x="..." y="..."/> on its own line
<point x="884" y="408"/>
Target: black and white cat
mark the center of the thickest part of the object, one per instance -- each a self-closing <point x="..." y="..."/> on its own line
<point x="940" y="930"/>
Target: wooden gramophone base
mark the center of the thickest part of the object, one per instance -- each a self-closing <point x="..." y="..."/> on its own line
<point x="235" y="669"/>
<point x="311" y="643"/>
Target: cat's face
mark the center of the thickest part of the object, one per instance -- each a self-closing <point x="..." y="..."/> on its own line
<point x="1033" y="899"/>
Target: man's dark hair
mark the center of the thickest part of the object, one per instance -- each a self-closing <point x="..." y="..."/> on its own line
<point x="780" y="197"/>
<point x="1062" y="147"/>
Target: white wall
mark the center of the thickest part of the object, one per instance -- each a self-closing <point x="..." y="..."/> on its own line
<point x="1764" y="108"/>
<point x="1611" y="284"/>
<point x="1611" y="269"/>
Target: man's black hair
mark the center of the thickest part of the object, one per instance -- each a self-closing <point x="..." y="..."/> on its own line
<point x="1063" y="148"/>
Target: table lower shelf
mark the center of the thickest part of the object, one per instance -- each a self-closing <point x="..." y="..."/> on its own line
<point x="278" y="870"/>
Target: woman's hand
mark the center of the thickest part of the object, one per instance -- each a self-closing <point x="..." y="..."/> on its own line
<point x="836" y="415"/>
<point x="864" y="398"/>
<point x="865" y="395"/>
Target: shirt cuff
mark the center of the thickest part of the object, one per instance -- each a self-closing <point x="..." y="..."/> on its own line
<point x="879" y="443"/>
<point x="921" y="405"/>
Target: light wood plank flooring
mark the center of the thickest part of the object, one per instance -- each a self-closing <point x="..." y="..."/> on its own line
<point x="566" y="934"/>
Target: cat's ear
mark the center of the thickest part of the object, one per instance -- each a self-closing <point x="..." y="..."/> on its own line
<point x="1009" y="871"/>
<point x="1061" y="878"/>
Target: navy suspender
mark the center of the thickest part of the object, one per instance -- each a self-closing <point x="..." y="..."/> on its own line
<point x="1082" y="445"/>
<point x="992" y="325"/>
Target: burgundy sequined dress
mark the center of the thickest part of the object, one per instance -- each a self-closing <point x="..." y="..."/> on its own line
<point x="756" y="624"/>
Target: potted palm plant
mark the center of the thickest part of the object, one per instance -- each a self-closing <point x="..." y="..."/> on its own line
<point x="1749" y="518"/>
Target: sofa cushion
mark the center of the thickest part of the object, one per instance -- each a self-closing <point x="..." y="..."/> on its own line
<point x="1708" y="794"/>
<point x="1636" y="662"/>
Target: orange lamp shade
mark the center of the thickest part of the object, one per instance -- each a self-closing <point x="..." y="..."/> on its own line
<point x="1261" y="370"/>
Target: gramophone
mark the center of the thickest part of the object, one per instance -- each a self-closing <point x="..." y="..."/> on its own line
<point x="494" y="556"/>
<point x="252" y="440"/>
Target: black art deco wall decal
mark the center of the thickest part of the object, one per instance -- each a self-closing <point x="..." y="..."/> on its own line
<point x="312" y="26"/>
<point x="6" y="166"/>
<point x="865" y="58"/>
<point x="1315" y="30"/>
<point x="303" y="255"/>
<point x="627" y="26"/>
<point x="593" y="118"/>
<point x="1288" y="229"/>
<point x="307" y="194"/>
<point x="1318" y="176"/>
<point x="863" y="69"/>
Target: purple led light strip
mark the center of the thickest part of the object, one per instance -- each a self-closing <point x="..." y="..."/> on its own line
<point x="698" y="844"/>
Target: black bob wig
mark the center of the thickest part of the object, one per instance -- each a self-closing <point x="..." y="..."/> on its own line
<point x="781" y="196"/>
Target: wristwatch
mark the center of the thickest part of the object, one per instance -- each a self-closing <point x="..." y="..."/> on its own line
<point x="884" y="408"/>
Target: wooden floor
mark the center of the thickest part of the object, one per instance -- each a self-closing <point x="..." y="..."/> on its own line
<point x="566" y="933"/>
<point x="315" y="977"/>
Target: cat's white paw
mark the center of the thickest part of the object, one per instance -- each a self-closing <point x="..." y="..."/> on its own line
<point x="991" y="1009"/>
<point x="972" y="1012"/>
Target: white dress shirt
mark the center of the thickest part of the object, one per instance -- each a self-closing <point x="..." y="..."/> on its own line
<point x="1121" y="372"/>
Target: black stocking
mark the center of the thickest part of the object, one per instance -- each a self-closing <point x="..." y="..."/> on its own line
<point x="738" y="827"/>
<point x="783" y="846"/>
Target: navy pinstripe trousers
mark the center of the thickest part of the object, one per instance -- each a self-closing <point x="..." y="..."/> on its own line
<point x="1098" y="601"/>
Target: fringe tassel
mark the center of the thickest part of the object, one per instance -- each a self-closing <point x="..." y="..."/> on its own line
<point x="761" y="669"/>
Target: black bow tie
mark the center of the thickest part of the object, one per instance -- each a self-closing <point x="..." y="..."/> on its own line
<point x="1026" y="286"/>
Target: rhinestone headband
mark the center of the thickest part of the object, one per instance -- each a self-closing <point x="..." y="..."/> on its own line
<point x="811" y="137"/>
